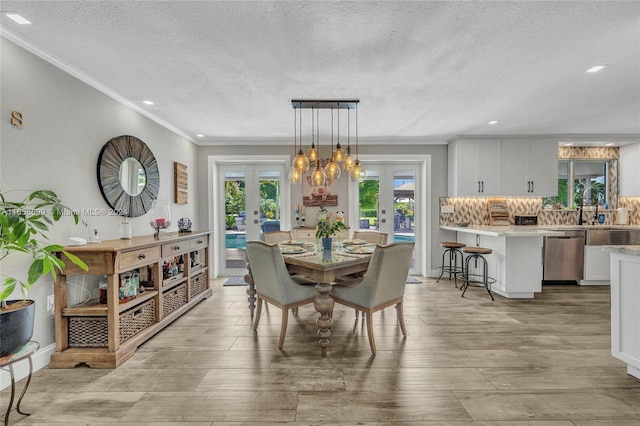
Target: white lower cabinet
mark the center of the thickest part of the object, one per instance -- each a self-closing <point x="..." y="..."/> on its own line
<point x="596" y="266"/>
<point x="515" y="263"/>
<point x="625" y="315"/>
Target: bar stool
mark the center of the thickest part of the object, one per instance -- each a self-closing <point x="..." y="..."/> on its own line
<point x="452" y="268"/>
<point x="477" y="253"/>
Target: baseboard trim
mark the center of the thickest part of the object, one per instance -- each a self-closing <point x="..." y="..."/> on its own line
<point x="21" y="369"/>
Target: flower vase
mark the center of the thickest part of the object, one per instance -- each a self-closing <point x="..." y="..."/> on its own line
<point x="326" y="243"/>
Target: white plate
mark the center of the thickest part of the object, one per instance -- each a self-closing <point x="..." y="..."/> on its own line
<point x="292" y="250"/>
<point x="356" y="242"/>
<point x="360" y="250"/>
<point x="291" y="243"/>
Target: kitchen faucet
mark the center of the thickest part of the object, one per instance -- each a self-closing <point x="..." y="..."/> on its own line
<point x="581" y="208"/>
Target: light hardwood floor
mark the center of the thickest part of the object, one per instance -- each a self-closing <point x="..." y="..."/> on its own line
<point x="466" y="361"/>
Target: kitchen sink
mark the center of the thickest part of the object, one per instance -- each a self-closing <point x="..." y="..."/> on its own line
<point x="612" y="236"/>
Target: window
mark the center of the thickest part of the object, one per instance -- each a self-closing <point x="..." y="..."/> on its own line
<point x="581" y="182"/>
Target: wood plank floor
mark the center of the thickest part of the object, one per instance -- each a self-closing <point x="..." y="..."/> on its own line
<point x="466" y="361"/>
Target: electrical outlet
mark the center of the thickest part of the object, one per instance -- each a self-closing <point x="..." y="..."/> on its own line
<point x="447" y="209"/>
<point x="50" y="303"/>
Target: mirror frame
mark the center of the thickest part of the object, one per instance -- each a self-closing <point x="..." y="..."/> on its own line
<point x="113" y="153"/>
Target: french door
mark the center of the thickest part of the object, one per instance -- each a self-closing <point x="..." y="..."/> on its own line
<point x="249" y="204"/>
<point x="389" y="201"/>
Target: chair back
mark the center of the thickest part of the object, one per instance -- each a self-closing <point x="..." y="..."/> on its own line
<point x="387" y="274"/>
<point x="374" y="237"/>
<point x="270" y="225"/>
<point x="275" y="237"/>
<point x="270" y="274"/>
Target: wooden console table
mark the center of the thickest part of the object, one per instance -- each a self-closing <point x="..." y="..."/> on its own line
<point x="106" y="335"/>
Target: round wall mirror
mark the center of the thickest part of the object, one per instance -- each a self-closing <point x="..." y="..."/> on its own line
<point x="128" y="176"/>
<point x="132" y="176"/>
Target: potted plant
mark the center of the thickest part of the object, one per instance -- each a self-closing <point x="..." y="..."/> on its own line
<point x="24" y="225"/>
<point x="327" y="228"/>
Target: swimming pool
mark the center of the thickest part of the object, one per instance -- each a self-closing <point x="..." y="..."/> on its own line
<point x="235" y="241"/>
<point x="403" y="238"/>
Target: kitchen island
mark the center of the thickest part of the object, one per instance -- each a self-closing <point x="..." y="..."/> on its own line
<point x="625" y="305"/>
<point x="516" y="261"/>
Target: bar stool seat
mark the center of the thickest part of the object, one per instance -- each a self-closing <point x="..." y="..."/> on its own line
<point x="477" y="254"/>
<point x="452" y="268"/>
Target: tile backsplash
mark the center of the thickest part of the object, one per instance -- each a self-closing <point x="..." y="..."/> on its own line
<point x="475" y="211"/>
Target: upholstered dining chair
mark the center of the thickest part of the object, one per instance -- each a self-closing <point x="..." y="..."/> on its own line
<point x="274" y="285"/>
<point x="275" y="237"/>
<point x="382" y="286"/>
<point x="374" y="237"/>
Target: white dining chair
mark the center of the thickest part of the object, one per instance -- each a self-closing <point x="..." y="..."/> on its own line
<point x="381" y="287"/>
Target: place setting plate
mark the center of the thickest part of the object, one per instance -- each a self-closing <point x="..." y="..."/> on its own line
<point x="291" y="243"/>
<point x="356" y="242"/>
<point x="360" y="249"/>
<point x="290" y="249"/>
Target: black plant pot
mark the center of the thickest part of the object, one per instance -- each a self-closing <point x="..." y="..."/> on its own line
<point x="16" y="327"/>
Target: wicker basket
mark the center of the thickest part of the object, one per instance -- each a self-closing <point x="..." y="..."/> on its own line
<point x="88" y="332"/>
<point x="198" y="284"/>
<point x="173" y="299"/>
<point x="137" y="319"/>
<point x="92" y="332"/>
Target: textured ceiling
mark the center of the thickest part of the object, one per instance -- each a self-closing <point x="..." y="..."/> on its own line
<point x="423" y="71"/>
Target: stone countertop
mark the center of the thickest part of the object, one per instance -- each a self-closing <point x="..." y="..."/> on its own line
<point x="630" y="250"/>
<point x="528" y="230"/>
<point x="506" y="231"/>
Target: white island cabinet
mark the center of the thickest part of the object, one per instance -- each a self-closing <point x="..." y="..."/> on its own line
<point x="516" y="260"/>
<point x="625" y="305"/>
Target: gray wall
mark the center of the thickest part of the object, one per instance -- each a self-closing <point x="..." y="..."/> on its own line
<point x="438" y="176"/>
<point x="66" y="123"/>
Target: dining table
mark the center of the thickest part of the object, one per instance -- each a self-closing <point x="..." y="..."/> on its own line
<point x="323" y="267"/>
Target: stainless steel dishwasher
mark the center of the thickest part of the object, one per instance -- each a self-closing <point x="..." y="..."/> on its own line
<point x="564" y="257"/>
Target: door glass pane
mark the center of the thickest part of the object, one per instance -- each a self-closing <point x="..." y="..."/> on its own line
<point x="235" y="219"/>
<point x="369" y="190"/>
<point x="269" y="182"/>
<point x="404" y="184"/>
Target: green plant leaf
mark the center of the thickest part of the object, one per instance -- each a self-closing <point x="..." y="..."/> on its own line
<point x="35" y="271"/>
<point x="8" y="286"/>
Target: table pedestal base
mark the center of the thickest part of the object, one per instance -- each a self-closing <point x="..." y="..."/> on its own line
<point x="323" y="303"/>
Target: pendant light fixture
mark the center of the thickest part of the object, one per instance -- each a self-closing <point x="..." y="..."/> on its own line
<point x="313" y="151"/>
<point x="300" y="162"/>
<point x="357" y="173"/>
<point x="318" y="176"/>
<point x="338" y="156"/>
<point x="332" y="169"/>
<point x="329" y="168"/>
<point x="295" y="175"/>
<point x="349" y="161"/>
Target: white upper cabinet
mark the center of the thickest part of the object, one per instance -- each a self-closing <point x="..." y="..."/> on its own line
<point x="630" y="170"/>
<point x="529" y="167"/>
<point x="474" y="168"/>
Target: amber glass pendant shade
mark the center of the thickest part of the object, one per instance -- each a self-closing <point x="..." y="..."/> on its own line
<point x="301" y="162"/>
<point x="332" y="170"/>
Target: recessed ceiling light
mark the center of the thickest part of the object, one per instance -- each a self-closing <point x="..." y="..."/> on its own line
<point x="148" y="102"/>
<point x="568" y="144"/>
<point x="596" y="68"/>
<point x="200" y="135"/>
<point x="493" y="122"/>
<point x="19" y="19"/>
<point x="609" y="144"/>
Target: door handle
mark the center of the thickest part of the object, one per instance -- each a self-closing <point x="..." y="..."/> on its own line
<point x="531" y="186"/>
<point x="479" y="187"/>
<point x="482" y="186"/>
